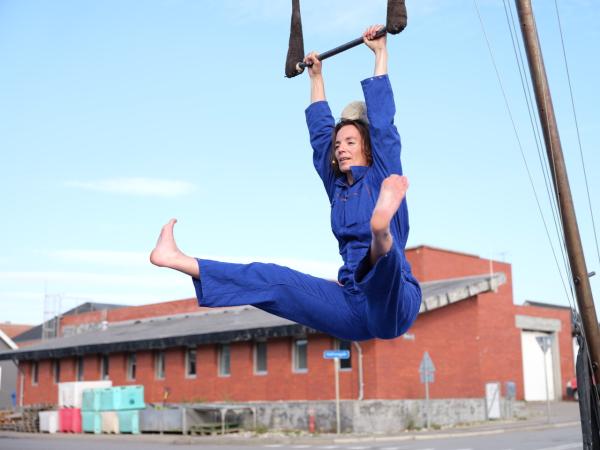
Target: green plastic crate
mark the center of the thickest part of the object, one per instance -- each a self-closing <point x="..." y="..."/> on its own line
<point x="122" y="398"/>
<point x="91" y="400"/>
<point x="129" y="421"/>
<point x="91" y="422"/>
<point x="129" y="397"/>
<point x="107" y="399"/>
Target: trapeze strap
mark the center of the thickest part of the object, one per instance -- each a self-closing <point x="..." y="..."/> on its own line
<point x="395" y="23"/>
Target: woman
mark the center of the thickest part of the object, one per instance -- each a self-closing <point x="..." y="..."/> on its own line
<point x="376" y="294"/>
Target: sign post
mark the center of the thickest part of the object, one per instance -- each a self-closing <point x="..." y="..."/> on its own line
<point x="336" y="355"/>
<point x="545" y="342"/>
<point x="427" y="372"/>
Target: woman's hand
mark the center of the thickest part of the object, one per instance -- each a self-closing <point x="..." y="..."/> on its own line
<point x="317" y="66"/>
<point x="377" y="45"/>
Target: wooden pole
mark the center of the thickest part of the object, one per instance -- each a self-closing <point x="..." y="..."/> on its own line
<point x="560" y="179"/>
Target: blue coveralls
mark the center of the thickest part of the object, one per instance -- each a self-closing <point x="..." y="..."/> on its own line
<point x="382" y="302"/>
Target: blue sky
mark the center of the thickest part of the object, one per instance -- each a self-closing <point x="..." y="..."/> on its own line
<point x="118" y="115"/>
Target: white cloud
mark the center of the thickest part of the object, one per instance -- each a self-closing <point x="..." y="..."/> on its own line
<point x="137" y="186"/>
<point x="134" y="260"/>
<point x="158" y="280"/>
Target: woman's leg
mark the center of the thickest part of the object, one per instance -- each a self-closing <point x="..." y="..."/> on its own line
<point x="393" y="190"/>
<point x="393" y="295"/>
<point x="384" y="277"/>
<point x="310" y="301"/>
<point x="284" y="292"/>
<point x="167" y="254"/>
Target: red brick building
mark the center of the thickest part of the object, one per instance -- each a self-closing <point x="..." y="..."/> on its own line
<point x="468" y="324"/>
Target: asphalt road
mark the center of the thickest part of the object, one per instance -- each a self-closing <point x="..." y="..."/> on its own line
<point x="561" y="438"/>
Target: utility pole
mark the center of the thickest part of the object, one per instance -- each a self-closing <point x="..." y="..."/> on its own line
<point x="583" y="290"/>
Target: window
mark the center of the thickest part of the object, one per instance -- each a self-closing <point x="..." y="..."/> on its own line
<point x="104" y="367"/>
<point x="190" y="363"/>
<point x="34" y="372"/>
<point x="299" y="359"/>
<point x="345" y="364"/>
<point x="260" y="358"/>
<point x="131" y="366"/>
<point x="159" y="365"/>
<point x="56" y="370"/>
<point x="224" y="360"/>
<point x="79" y="368"/>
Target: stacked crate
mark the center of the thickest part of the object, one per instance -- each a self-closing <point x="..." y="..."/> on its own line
<point x="113" y="410"/>
<point x="70" y="402"/>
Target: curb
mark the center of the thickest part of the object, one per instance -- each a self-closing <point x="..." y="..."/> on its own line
<point x="423" y="437"/>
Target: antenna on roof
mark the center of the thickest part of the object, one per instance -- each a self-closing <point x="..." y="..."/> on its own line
<point x="51" y="323"/>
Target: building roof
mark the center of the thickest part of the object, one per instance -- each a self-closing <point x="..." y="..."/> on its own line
<point x="221" y="325"/>
<point x="35" y="333"/>
<point x="13" y="329"/>
<point x="545" y="305"/>
<point x="7" y="340"/>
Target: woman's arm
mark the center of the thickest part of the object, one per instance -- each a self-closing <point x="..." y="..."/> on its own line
<point x="385" y="140"/>
<point x="379" y="47"/>
<point x="315" y="71"/>
<point x="320" y="124"/>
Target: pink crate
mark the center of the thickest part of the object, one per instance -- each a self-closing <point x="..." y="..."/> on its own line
<point x="69" y="420"/>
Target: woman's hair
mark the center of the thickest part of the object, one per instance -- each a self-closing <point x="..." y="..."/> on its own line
<point x="363" y="130"/>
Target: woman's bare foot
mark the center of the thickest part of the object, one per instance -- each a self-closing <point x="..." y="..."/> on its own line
<point x="167" y="254"/>
<point x="393" y="190"/>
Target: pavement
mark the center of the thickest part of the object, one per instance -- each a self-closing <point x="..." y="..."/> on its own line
<point x="562" y="414"/>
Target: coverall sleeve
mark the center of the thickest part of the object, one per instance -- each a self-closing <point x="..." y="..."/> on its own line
<point x="320" y="127"/>
<point x="385" y="139"/>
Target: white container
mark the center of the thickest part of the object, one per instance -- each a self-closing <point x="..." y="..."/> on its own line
<point x="110" y="422"/>
<point x="70" y="394"/>
<point x="48" y="421"/>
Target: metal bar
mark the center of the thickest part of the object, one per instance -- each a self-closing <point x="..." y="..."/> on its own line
<point x="342" y="48"/>
<point x="560" y="179"/>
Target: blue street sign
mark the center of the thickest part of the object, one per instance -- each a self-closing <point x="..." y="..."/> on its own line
<point x="341" y="354"/>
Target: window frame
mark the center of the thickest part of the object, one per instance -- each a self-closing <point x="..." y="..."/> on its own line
<point x="188" y="352"/>
<point x="131" y="366"/>
<point x="56" y="371"/>
<point x="105" y="367"/>
<point x="35" y="373"/>
<point x="79" y="368"/>
<point x="221" y="361"/>
<point x="295" y="356"/>
<point x="338" y="346"/>
<point x="159" y="365"/>
<point x="257" y="371"/>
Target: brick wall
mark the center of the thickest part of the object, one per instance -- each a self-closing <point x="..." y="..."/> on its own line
<point x="429" y="263"/>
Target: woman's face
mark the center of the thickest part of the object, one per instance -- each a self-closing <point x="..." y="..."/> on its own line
<point x="349" y="149"/>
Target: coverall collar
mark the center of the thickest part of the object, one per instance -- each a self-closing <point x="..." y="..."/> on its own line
<point x="357" y="173"/>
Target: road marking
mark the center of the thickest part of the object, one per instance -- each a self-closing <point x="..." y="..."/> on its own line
<point x="563" y="447"/>
<point x="301" y="446"/>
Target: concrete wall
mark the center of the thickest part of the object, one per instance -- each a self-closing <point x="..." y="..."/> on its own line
<point x="374" y="416"/>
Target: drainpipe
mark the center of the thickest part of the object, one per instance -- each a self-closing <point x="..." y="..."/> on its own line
<point x="22" y="372"/>
<point x="361" y="384"/>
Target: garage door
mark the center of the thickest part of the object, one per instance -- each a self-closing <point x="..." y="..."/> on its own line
<point x="533" y="367"/>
